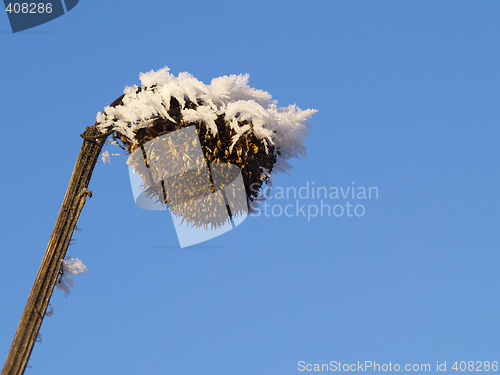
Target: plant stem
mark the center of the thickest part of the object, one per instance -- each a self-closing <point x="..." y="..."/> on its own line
<point x="48" y="272"/>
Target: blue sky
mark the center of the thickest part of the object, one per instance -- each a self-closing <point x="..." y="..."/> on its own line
<point x="408" y="96"/>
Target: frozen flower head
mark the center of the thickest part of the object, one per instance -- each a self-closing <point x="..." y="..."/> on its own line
<point x="236" y="123"/>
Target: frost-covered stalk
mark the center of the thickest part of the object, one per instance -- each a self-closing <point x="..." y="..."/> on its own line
<point x="235" y="123"/>
<point x="38" y="300"/>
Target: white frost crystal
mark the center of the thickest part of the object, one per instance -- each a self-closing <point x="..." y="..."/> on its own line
<point x="71" y="266"/>
<point x="105" y="156"/>
<point x="284" y="128"/>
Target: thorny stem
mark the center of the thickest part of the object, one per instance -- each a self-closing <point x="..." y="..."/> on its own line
<point x="38" y="300"/>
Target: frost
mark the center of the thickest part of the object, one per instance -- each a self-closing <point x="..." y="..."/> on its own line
<point x="100" y="117"/>
<point x="231" y="96"/>
<point x="105" y="156"/>
<point x="70" y="266"/>
<point x="201" y="114"/>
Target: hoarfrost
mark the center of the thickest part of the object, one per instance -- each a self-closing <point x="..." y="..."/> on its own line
<point x="70" y="266"/>
<point x="231" y="96"/>
<point x="105" y="156"/>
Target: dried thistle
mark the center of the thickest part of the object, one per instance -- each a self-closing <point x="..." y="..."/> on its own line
<point x="235" y="124"/>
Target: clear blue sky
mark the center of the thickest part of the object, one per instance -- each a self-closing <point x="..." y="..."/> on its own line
<point x="408" y="94"/>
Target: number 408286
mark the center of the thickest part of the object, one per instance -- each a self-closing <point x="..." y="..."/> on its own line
<point x="29" y="8"/>
<point x="476" y="366"/>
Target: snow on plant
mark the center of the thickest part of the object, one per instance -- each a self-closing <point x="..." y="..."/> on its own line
<point x="245" y="110"/>
<point x="105" y="156"/>
<point x="70" y="266"/>
<point x="236" y="123"/>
